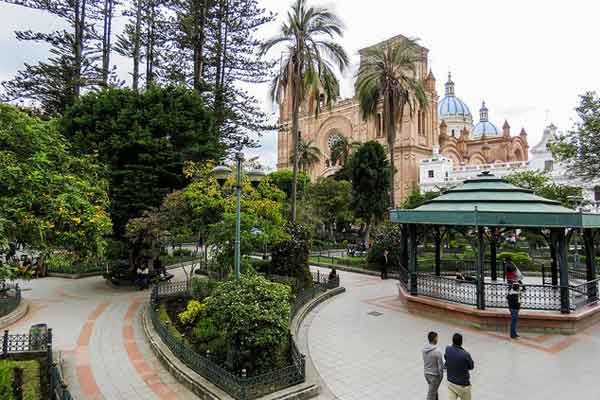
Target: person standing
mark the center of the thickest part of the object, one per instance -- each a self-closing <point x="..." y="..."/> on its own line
<point x="433" y="364"/>
<point x="514" y="305"/>
<point x="458" y="365"/>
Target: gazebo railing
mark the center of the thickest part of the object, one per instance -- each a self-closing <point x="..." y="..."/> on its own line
<point x="534" y="297"/>
<point x="584" y="293"/>
<point x="450" y="289"/>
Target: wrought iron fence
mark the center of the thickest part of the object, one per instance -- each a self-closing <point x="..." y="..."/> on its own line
<point x="450" y="289"/>
<point x="60" y="389"/>
<point x="242" y="388"/>
<point x="10" y="298"/>
<point x="533" y="297"/>
<point x="584" y="293"/>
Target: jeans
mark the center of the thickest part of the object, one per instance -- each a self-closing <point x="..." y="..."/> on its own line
<point x="514" y="318"/>
<point x="434" y="382"/>
<point x="459" y="392"/>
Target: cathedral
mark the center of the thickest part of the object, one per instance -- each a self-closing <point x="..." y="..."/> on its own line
<point x="443" y="127"/>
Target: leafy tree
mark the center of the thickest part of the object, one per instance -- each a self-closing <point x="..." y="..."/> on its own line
<point x="331" y="200"/>
<point x="371" y="174"/>
<point x="49" y="199"/>
<point x="341" y="150"/>
<point x="252" y="314"/>
<point x="580" y="148"/>
<point x="57" y="82"/>
<point x="289" y="257"/>
<point x="306" y="71"/>
<point x="542" y="185"/>
<point x="388" y="77"/>
<point x="416" y="199"/>
<point x="283" y="179"/>
<point x="308" y="155"/>
<point x="144" y="139"/>
<point x="388" y="238"/>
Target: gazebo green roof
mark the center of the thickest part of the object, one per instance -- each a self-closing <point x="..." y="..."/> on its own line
<point x="491" y="201"/>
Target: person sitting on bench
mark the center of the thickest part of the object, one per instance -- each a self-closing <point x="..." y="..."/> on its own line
<point x="461" y="277"/>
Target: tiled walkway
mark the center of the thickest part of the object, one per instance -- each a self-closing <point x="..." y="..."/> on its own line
<point x="365" y="345"/>
<point x="98" y="329"/>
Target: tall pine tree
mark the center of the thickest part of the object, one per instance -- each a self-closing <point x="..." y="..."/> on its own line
<point x="72" y="65"/>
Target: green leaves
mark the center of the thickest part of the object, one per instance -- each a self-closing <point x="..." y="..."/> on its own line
<point x="580" y="148"/>
<point x="49" y="198"/>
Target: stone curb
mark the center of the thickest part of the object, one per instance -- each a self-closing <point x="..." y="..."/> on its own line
<point x="74" y="276"/>
<point x="206" y="390"/>
<point x="15" y="315"/>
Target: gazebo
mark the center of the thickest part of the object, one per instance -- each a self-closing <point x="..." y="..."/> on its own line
<point x="485" y="206"/>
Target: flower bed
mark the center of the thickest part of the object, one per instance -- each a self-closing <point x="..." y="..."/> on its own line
<point x="23" y="376"/>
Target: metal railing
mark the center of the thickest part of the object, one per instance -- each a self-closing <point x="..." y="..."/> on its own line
<point x="533" y="297"/>
<point x="60" y="389"/>
<point x="10" y="298"/>
<point x="451" y="289"/>
<point x="240" y="387"/>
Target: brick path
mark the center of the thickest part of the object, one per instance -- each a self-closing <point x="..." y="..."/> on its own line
<point x="365" y="345"/>
<point x="98" y="329"/>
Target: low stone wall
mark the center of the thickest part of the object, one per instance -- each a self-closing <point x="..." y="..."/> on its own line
<point x="498" y="320"/>
<point x="15" y="315"/>
<point x="206" y="390"/>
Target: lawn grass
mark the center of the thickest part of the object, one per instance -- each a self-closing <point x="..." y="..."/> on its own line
<point x="31" y="379"/>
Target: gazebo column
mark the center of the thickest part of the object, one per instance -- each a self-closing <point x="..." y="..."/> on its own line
<point x="590" y="265"/>
<point x="561" y="255"/>
<point x="553" y="260"/>
<point x="480" y="270"/>
<point x="412" y="258"/>
<point x="437" y="237"/>
<point x="404" y="254"/>
<point x="493" y="249"/>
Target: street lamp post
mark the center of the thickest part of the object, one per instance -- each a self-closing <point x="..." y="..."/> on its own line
<point x="221" y="172"/>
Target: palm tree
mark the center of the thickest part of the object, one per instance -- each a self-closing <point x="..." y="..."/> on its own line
<point x="307" y="72"/>
<point x="388" y="75"/>
<point x="308" y="155"/>
<point x="341" y="150"/>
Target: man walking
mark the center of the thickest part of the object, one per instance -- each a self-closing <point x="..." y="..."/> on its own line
<point x="458" y="364"/>
<point x="434" y="365"/>
<point x="514" y="305"/>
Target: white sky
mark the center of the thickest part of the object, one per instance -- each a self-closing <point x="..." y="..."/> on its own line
<point x="522" y="57"/>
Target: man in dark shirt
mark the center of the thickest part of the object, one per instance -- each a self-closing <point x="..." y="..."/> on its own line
<point x="458" y="365"/>
<point x="514" y="305"/>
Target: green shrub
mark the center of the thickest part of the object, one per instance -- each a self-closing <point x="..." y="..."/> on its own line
<point x="192" y="312"/>
<point x="521" y="259"/>
<point x="66" y="263"/>
<point x="202" y="287"/>
<point x="260" y="266"/>
<point x="253" y="314"/>
<point x="182" y="253"/>
<point x="31" y="379"/>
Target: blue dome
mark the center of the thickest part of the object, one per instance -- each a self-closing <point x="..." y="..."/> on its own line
<point x="452" y="106"/>
<point x="484" y="128"/>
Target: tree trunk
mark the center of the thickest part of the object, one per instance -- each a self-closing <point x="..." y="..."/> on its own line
<point x="390" y="121"/>
<point x="137" y="45"/>
<point x="199" y="39"/>
<point x="106" y="39"/>
<point x="150" y="46"/>
<point x="368" y="234"/>
<point x="295" y="116"/>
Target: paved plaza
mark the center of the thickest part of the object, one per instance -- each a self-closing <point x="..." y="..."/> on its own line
<point x="98" y="330"/>
<point x="363" y="344"/>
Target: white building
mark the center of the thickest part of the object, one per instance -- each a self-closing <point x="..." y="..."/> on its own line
<point x="439" y="172"/>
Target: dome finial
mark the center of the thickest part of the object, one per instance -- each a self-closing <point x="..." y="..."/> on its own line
<point x="449" y="85"/>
